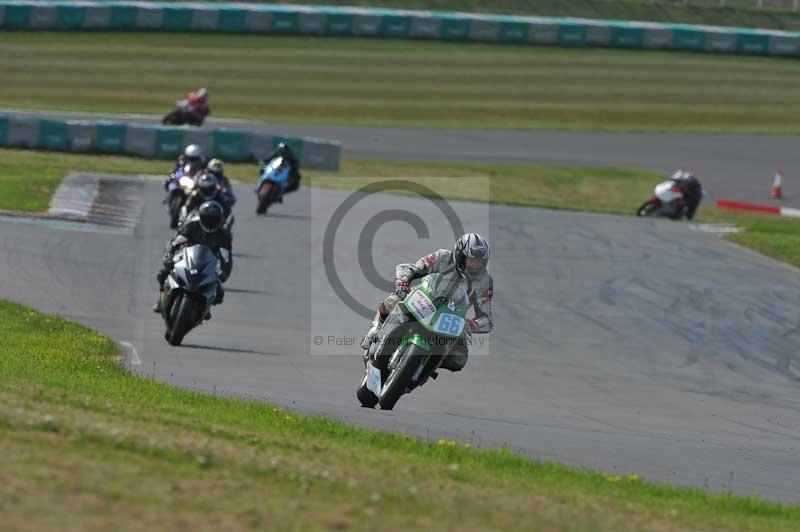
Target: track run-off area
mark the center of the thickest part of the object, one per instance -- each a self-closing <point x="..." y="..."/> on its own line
<point x="622" y="345"/>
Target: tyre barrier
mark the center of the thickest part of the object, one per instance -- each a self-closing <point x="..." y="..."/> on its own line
<point x="155" y="141"/>
<point x="389" y="23"/>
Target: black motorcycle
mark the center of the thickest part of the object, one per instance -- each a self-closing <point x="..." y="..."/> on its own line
<point x="188" y="291"/>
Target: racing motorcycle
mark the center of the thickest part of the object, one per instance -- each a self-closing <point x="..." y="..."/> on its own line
<point x="414" y="340"/>
<point x="272" y="183"/>
<point x="180" y="185"/>
<point x="183" y="114"/>
<point x="189" y="290"/>
<point x="667" y="200"/>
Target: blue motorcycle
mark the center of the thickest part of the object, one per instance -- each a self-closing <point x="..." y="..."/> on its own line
<point x="272" y="183"/>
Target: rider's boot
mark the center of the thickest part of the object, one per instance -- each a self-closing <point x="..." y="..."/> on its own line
<point x="373" y="331"/>
<point x="454" y="361"/>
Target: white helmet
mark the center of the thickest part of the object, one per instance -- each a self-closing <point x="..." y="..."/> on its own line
<point x="216" y="166"/>
<point x="193" y="152"/>
<point x="475" y="246"/>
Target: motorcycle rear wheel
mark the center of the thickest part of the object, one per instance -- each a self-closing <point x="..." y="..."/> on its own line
<point x="365" y="395"/>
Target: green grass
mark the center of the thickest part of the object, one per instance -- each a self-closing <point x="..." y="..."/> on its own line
<point x="779" y="239"/>
<point x="401" y="83"/>
<point x="85" y="445"/>
<point x="737" y="12"/>
<point x="609" y="190"/>
<point x="27" y="189"/>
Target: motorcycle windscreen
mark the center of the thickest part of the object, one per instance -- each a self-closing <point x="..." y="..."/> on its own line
<point x="200" y="265"/>
<point x="448" y="289"/>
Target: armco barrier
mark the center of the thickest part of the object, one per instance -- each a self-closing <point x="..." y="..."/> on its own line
<point x="155" y="141"/>
<point x="389" y="23"/>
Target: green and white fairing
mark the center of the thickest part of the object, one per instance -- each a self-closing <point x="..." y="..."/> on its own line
<point x="439" y="304"/>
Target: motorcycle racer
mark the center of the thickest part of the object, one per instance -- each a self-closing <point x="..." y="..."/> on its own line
<point x="205" y="227"/>
<point x="469" y="258"/>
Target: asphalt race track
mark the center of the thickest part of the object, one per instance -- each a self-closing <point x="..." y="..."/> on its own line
<point x="738" y="167"/>
<point x="621" y="344"/>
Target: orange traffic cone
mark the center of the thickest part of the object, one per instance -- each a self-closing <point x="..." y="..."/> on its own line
<point x="776" y="185"/>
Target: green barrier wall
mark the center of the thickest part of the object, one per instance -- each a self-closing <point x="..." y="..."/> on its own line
<point x="53" y="135"/>
<point x="163" y="142"/>
<point x="389" y="23"/>
<point x="110" y="138"/>
<point x="3" y="131"/>
<point x="230" y="145"/>
<point x="169" y="142"/>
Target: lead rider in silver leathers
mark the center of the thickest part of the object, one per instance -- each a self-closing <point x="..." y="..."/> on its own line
<point x="469" y="257"/>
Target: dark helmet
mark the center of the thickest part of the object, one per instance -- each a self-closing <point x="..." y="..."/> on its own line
<point x="212" y="216"/>
<point x="471" y="245"/>
<point x="207" y="186"/>
<point x="284" y="149"/>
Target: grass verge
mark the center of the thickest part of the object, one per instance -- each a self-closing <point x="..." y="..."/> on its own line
<point x="98" y="447"/>
<point x="402" y="83"/>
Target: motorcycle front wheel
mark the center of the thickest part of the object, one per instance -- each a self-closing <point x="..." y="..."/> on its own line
<point x="399" y="379"/>
<point x="172" y="119"/>
<point x="646" y="209"/>
<point x="175" y="210"/>
<point x="184" y="320"/>
<point x="266" y="195"/>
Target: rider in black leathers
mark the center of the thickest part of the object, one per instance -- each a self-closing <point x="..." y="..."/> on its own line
<point x="692" y="191"/>
<point x="217" y="168"/>
<point x="205" y="227"/>
<point x="208" y="189"/>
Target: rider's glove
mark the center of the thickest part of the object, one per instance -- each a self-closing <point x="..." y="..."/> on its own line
<point x="401" y="286"/>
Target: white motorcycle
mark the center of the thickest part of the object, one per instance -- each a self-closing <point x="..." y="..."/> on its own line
<point x="668" y="200"/>
<point x="670" y="197"/>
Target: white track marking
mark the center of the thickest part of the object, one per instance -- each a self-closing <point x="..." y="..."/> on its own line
<point x="721" y="229"/>
<point x="134" y="356"/>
